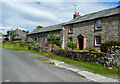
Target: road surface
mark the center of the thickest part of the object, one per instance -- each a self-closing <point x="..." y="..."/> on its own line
<point x="20" y="67"/>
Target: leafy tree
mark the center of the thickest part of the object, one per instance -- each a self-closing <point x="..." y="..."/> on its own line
<point x="3" y="35"/>
<point x="39" y="27"/>
<point x="11" y="33"/>
<point x="25" y="31"/>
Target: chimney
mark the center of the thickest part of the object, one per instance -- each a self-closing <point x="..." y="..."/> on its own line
<point x="76" y="15"/>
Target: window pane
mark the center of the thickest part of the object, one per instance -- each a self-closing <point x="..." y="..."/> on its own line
<point x="70" y="39"/>
<point x="98" y="40"/>
<point x="70" y="28"/>
<point x="98" y="24"/>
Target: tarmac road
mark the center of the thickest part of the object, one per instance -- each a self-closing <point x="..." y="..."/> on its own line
<point x="20" y="67"/>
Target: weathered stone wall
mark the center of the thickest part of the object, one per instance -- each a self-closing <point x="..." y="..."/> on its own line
<point x="109" y="30"/>
<point x="43" y="37"/>
<point x="106" y="59"/>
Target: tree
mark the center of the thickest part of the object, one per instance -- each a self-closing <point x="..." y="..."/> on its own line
<point x="25" y="31"/>
<point x="3" y="35"/>
<point x="11" y="34"/>
<point x="39" y="26"/>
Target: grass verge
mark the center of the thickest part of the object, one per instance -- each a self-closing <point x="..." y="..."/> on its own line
<point x="41" y="58"/>
<point x="95" y="68"/>
<point x="52" y="63"/>
<point x="81" y="76"/>
<point x="25" y="53"/>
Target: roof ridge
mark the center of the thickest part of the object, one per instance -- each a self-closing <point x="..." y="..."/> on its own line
<point x="100" y="11"/>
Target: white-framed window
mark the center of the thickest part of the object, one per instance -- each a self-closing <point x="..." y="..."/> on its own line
<point x="98" y="25"/>
<point x="97" y="40"/>
<point x="70" y="29"/>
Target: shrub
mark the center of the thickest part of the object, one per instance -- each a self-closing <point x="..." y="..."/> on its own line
<point x="17" y="39"/>
<point x="90" y="49"/>
<point x="57" y="42"/>
<point x="53" y="40"/>
<point x="79" y="50"/>
<point x="72" y="45"/>
<point x="109" y="44"/>
<point x="46" y="44"/>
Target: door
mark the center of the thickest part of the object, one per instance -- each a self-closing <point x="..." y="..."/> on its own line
<point x="80" y="40"/>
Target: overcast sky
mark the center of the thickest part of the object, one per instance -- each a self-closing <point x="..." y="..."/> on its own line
<point x="27" y="15"/>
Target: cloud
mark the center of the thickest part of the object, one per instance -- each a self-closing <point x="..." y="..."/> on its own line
<point x="28" y="15"/>
<point x="5" y="29"/>
<point x="60" y="0"/>
<point x="29" y="12"/>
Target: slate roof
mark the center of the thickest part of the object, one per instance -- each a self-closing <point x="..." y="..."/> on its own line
<point x="48" y="28"/>
<point x="99" y="14"/>
<point x="91" y="16"/>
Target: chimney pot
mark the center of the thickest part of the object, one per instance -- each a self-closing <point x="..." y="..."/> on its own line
<point x="76" y="15"/>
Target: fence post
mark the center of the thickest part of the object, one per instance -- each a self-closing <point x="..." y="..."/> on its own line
<point x="50" y="47"/>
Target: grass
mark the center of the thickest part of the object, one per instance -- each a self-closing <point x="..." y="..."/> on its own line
<point x="41" y="58"/>
<point x="79" y="50"/>
<point x="82" y="76"/>
<point x="95" y="68"/>
<point x="52" y="63"/>
<point x="75" y="71"/>
<point x="25" y="53"/>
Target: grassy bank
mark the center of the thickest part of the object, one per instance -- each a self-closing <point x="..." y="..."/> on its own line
<point x="96" y="68"/>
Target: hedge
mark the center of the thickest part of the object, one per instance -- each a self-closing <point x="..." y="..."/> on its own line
<point x="109" y="44"/>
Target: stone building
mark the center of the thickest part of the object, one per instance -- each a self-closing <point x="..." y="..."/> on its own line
<point x="16" y="34"/>
<point x="20" y="34"/>
<point x="43" y="34"/>
<point x="88" y="30"/>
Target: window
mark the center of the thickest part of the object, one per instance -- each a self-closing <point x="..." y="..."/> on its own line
<point x="70" y="39"/>
<point x="98" y="25"/>
<point x="36" y="39"/>
<point x="70" y="29"/>
<point x="97" y="40"/>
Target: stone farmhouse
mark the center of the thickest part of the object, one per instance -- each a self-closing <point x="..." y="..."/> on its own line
<point x="89" y="30"/>
<point x="18" y="34"/>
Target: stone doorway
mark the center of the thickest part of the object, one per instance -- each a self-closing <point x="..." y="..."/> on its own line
<point x="81" y="42"/>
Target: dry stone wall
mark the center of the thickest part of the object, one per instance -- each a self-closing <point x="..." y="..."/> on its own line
<point x="106" y="59"/>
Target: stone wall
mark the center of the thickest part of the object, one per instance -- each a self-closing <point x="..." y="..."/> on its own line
<point x="106" y="59"/>
<point x="44" y="36"/>
<point x="109" y="30"/>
